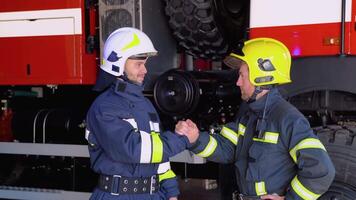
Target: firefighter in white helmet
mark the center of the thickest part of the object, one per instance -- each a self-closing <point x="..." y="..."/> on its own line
<point x="274" y="151"/>
<point x="126" y="145"/>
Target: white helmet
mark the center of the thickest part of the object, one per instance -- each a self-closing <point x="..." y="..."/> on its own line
<point x="122" y="44"/>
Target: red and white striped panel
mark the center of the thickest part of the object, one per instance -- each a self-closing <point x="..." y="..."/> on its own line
<point x="41" y="22"/>
<point x="308" y="28"/>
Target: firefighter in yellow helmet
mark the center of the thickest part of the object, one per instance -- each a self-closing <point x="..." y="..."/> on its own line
<point x="267" y="62"/>
<point x="274" y="151"/>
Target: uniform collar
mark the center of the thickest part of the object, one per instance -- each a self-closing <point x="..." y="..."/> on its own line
<point x="127" y="90"/>
<point x="258" y="105"/>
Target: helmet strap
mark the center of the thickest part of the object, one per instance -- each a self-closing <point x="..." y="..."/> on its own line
<point x="258" y="89"/>
<point x="126" y="79"/>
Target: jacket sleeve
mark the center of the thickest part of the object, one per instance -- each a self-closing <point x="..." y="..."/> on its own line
<point x="122" y="142"/>
<point x="219" y="147"/>
<point x="168" y="180"/>
<point x="315" y="170"/>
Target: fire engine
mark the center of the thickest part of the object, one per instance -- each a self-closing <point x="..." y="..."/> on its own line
<point x="50" y="53"/>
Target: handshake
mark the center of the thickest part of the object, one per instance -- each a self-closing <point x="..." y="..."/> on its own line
<point x="189" y="129"/>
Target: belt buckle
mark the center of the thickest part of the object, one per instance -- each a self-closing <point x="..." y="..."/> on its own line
<point x="153" y="181"/>
<point x="113" y="182"/>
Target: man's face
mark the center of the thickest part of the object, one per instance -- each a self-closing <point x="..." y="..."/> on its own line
<point x="244" y="83"/>
<point x="135" y="70"/>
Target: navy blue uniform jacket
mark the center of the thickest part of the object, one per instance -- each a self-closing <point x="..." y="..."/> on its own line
<point x="124" y="138"/>
<point x="286" y="159"/>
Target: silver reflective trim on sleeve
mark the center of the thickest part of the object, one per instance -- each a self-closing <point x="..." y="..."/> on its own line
<point x="302" y="191"/>
<point x="163" y="167"/>
<point x="146" y="147"/>
<point x="154" y="126"/>
<point x="230" y="135"/>
<point x="210" y="148"/>
<point x="308" y="143"/>
<point x="87" y="132"/>
<point x="133" y="122"/>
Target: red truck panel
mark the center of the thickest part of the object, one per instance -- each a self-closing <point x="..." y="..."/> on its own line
<point x="353" y="30"/>
<point x="40" y="59"/>
<point x="308" y="28"/>
<point x="308" y="40"/>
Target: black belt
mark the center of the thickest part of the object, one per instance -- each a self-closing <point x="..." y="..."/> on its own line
<point x="116" y="184"/>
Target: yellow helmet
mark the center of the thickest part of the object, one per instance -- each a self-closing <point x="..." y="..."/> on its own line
<point x="268" y="61"/>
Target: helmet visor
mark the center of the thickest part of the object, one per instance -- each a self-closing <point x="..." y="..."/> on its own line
<point x="233" y="61"/>
<point x="142" y="56"/>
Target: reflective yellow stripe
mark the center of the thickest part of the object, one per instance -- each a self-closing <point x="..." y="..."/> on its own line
<point x="241" y="129"/>
<point x="135" y="41"/>
<point x="168" y="174"/>
<point x="269" y="137"/>
<point x="309" y="143"/>
<point x="230" y="135"/>
<point x="260" y="188"/>
<point x="210" y="148"/>
<point x="303" y="192"/>
<point x="157" y="148"/>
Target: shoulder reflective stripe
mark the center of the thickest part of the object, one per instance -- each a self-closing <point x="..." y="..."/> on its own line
<point x="157" y="148"/>
<point x="230" y="135"/>
<point x="154" y="126"/>
<point x="309" y="143"/>
<point x="269" y="137"/>
<point x="241" y="129"/>
<point x="303" y="192"/>
<point x="210" y="148"/>
<point x="146" y="146"/>
<point x="163" y="167"/>
<point x="166" y="175"/>
<point x="135" y="41"/>
<point x="133" y="123"/>
<point x="260" y="188"/>
<point x="87" y="132"/>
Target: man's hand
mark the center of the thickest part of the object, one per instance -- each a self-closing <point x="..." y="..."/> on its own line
<point x="272" y="197"/>
<point x="193" y="131"/>
<point x="182" y="128"/>
<point x="173" y="198"/>
<point x="189" y="129"/>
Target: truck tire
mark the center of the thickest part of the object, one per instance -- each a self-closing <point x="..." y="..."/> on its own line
<point x="195" y="28"/>
<point x="340" y="143"/>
